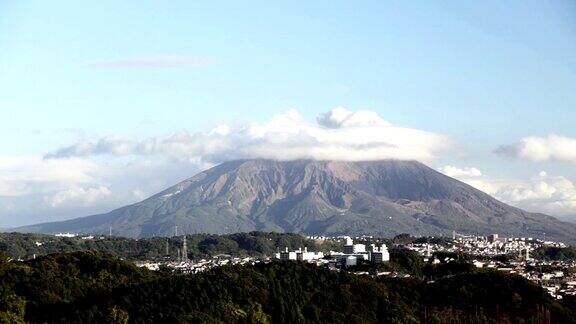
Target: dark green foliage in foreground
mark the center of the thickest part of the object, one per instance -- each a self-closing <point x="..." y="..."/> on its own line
<point x="23" y="246"/>
<point x="95" y="287"/>
<point x="51" y="284"/>
<point x="404" y="261"/>
<point x="555" y="253"/>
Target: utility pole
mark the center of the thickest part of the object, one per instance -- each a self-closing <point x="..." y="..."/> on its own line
<point x="184" y="249"/>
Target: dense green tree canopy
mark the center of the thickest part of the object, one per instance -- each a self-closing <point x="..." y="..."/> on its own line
<point x="25" y="246"/>
<point x="97" y="287"/>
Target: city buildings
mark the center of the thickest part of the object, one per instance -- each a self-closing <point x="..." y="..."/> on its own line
<point x="352" y="253"/>
<point x="506" y="254"/>
<point x="492" y="238"/>
<point x="301" y="255"/>
<point x="379" y="254"/>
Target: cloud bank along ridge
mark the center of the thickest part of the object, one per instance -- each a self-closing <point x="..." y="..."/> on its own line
<point x="549" y="194"/>
<point x="339" y="134"/>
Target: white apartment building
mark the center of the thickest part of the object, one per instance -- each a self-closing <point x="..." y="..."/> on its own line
<point x="301" y="255"/>
<point x="379" y="254"/>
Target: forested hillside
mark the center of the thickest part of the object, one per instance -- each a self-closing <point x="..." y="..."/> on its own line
<point x="25" y="246"/>
<point x="99" y="288"/>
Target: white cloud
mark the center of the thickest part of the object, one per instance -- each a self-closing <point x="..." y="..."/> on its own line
<point x="339" y="135"/>
<point x="554" y="195"/>
<point x="21" y="175"/>
<point x="456" y="172"/>
<point x="550" y="148"/>
<point x="33" y="189"/>
<point x="471" y="176"/>
<point x="341" y="117"/>
<point x="139" y="194"/>
<point x="79" y="196"/>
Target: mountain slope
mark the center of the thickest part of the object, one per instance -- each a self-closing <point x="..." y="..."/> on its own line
<point x="319" y="197"/>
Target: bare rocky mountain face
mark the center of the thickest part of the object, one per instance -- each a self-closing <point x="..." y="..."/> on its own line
<point x="385" y="198"/>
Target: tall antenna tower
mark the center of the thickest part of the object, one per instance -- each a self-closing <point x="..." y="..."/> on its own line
<point x="184" y="249"/>
<point x="110" y="231"/>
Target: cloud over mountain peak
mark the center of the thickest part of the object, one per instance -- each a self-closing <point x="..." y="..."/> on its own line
<point x="339" y="134"/>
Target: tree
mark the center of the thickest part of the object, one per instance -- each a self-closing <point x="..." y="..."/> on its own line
<point x="12" y="307"/>
<point x="117" y="315"/>
<point x="257" y="316"/>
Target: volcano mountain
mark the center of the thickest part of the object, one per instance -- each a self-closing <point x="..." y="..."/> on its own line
<point x="383" y="198"/>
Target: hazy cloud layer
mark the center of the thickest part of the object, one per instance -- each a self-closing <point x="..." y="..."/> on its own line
<point x="164" y="61"/>
<point x="550" y="148"/>
<point x="555" y="195"/>
<point x="22" y="175"/>
<point x="33" y="189"/>
<point x="78" y="196"/>
<point x="338" y="135"/>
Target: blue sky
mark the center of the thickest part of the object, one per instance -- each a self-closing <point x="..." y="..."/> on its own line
<point x="484" y="74"/>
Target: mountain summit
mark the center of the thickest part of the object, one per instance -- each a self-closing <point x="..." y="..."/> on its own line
<point x="385" y="197"/>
